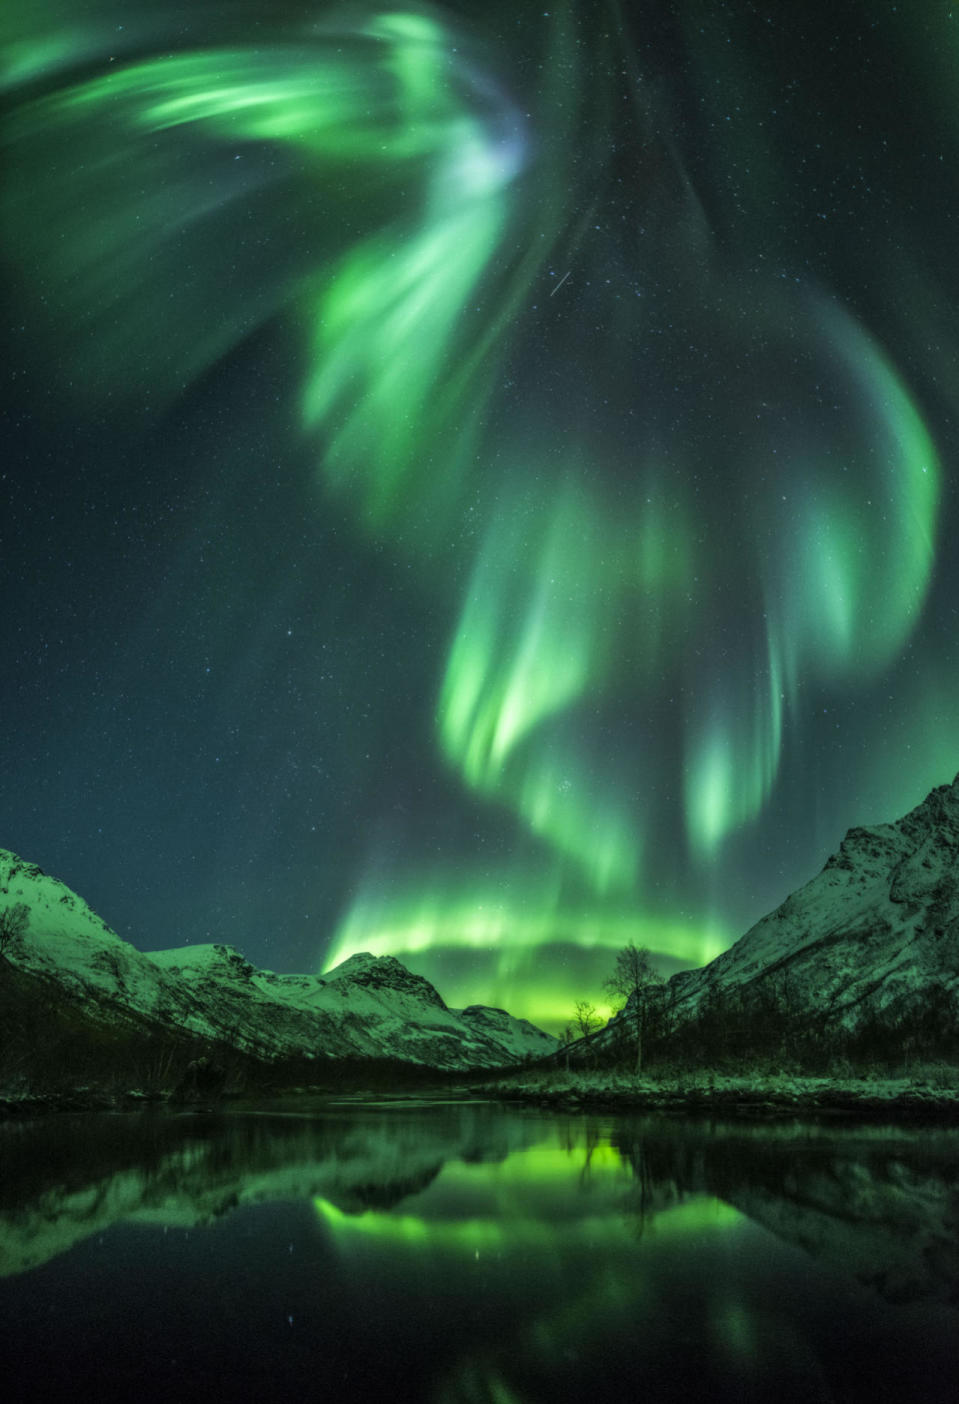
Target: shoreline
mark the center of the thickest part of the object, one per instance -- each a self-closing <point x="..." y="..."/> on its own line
<point x="753" y="1098"/>
<point x="749" y="1098"/>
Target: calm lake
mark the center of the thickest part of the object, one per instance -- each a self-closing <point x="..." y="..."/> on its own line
<point x="454" y="1251"/>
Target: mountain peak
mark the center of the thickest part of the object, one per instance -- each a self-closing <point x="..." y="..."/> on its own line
<point x="383" y="973"/>
<point x="212" y="960"/>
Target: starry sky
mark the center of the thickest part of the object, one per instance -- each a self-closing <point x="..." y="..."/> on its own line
<point x="479" y="481"/>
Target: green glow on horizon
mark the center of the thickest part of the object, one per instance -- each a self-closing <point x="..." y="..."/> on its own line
<point x="425" y="922"/>
<point x="481" y="941"/>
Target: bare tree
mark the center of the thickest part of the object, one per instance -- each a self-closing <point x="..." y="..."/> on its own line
<point x="13" y="923"/>
<point x="632" y="980"/>
<point x="586" y="1021"/>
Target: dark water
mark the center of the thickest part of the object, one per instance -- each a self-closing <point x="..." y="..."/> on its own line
<point x="467" y="1252"/>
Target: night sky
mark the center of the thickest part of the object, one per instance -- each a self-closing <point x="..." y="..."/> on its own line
<point x="479" y="482"/>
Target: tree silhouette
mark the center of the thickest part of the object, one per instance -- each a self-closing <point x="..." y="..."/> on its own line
<point x="586" y="1021"/>
<point x="632" y="980"/>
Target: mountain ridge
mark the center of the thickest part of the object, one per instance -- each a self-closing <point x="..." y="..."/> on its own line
<point x="875" y="929"/>
<point x="370" y="1007"/>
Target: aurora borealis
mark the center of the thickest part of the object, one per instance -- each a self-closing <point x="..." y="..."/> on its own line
<point x="482" y="479"/>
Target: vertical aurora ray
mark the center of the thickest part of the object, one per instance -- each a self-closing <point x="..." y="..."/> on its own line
<point x="858" y="559"/>
<point x="555" y="587"/>
<point x="733" y="757"/>
<point x="844" y="580"/>
<point x="526" y="646"/>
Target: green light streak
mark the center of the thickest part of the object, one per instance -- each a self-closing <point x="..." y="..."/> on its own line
<point x="734" y="757"/>
<point x="26" y="59"/>
<point x="335" y="105"/>
<point x="381" y="300"/>
<point x="910" y="484"/>
<point x="864" y="525"/>
<point x="391" y="354"/>
<point x="526" y="646"/>
<point x="388" y="325"/>
<point x="538" y="636"/>
<point x="844" y="585"/>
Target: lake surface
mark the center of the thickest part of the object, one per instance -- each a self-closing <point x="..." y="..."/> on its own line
<point x="473" y="1253"/>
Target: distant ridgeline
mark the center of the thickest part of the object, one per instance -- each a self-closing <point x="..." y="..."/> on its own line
<point x="76" y="1000"/>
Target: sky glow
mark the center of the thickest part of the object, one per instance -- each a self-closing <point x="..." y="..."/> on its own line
<point x="522" y="448"/>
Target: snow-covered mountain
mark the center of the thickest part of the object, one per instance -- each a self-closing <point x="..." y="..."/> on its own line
<point x="876" y="930"/>
<point x="368" y="1007"/>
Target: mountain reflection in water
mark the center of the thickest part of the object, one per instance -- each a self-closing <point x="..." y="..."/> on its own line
<point x="467" y="1252"/>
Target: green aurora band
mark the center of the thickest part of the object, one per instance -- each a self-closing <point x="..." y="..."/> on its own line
<point x="579" y="593"/>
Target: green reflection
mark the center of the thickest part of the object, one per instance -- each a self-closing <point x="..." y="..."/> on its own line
<point x="513" y="1204"/>
<point x="477" y="1249"/>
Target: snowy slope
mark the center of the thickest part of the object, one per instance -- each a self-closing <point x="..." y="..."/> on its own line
<point x="369" y="1007"/>
<point x="519" y="1036"/>
<point x="878" y="927"/>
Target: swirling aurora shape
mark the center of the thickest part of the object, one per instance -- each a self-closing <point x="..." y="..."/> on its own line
<point x="603" y="568"/>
